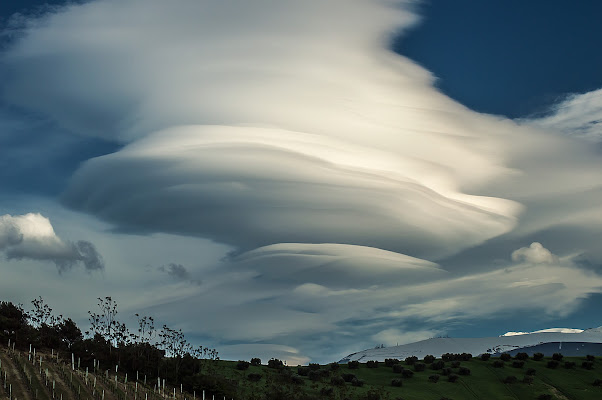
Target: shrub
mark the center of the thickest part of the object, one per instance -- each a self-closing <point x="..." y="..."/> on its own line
<point x="521" y="356"/>
<point x="326" y="391"/>
<point x="557" y="357"/>
<point x="453" y="378"/>
<point x="396" y="382"/>
<point x="348" y="377"/>
<point x="334" y="366"/>
<point x="538" y="356"/>
<point x="528" y="379"/>
<point x="531" y="372"/>
<point x="353" y="364"/>
<point x="505" y="357"/>
<point x="303" y="371"/>
<point x="434" y="378"/>
<point x="598" y="382"/>
<point x="398" y="369"/>
<point x="411" y="360"/>
<point x="314" y="366"/>
<point x="553" y="364"/>
<point x="569" y="365"/>
<point x="372" y="394"/>
<point x="498" y="364"/>
<point x="464" y="371"/>
<point x="297" y="380"/>
<point x="419" y="367"/>
<point x="407" y="373"/>
<point x="357" y="382"/>
<point x="449" y="356"/>
<point x="428" y="359"/>
<point x="446" y="371"/>
<point x="455" y="364"/>
<point x="254" y="377"/>
<point x="337" y="381"/>
<point x="437" y="365"/>
<point x="589" y="357"/>
<point x="242" y="365"/>
<point x="256" y="361"/>
<point x="518" y="364"/>
<point x="510" y="379"/>
<point x="544" y="397"/>
<point x="389" y="362"/>
<point x="372" y="364"/>
<point x="314" y="375"/>
<point x="587" y="365"/>
<point x="465" y="357"/>
<point x="275" y="363"/>
<point x="485" y="356"/>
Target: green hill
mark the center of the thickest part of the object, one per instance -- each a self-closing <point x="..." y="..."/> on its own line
<point x="472" y="379"/>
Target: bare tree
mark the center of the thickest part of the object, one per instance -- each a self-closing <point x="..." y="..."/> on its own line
<point x="41" y="315"/>
<point x="105" y="323"/>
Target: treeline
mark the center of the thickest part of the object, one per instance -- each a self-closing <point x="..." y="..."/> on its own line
<point x="147" y="352"/>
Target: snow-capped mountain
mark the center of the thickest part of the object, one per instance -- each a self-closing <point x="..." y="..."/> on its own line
<point x="476" y="346"/>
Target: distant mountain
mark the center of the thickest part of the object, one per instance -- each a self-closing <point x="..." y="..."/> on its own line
<point x="491" y="345"/>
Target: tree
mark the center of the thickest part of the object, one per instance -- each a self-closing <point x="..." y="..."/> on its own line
<point x="105" y="323"/>
<point x="13" y="321"/>
<point x="69" y="332"/>
<point x="42" y="314"/>
<point x="175" y="345"/>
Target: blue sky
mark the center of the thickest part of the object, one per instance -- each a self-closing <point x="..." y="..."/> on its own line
<point x="276" y="181"/>
<point x="513" y="58"/>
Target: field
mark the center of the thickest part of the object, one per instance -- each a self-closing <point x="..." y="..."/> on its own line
<point x="475" y="379"/>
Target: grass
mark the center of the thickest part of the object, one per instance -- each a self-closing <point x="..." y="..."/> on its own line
<point x="484" y="382"/>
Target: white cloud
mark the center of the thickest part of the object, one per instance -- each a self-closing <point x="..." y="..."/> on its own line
<point x="296" y="293"/>
<point x="287" y="142"/>
<point x="290" y="132"/>
<point x="32" y="236"/>
<point x="578" y="115"/>
<point x="535" y="254"/>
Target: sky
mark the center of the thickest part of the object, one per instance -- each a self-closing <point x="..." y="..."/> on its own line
<point x="304" y="180"/>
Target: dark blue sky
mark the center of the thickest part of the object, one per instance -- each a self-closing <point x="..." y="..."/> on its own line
<point x="510" y="57"/>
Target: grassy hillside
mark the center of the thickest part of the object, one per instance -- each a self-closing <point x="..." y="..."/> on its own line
<point x="476" y="379"/>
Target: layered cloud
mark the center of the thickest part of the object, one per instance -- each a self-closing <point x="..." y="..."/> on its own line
<point x="329" y="299"/>
<point x="254" y="131"/>
<point x="332" y="167"/>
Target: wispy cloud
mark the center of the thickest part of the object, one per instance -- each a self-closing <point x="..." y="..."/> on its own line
<point x="578" y="115"/>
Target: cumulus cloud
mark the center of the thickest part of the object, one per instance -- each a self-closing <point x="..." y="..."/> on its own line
<point x="535" y="254"/>
<point x="31" y="236"/>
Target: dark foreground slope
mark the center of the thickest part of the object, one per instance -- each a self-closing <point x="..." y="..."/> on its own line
<point x="435" y="380"/>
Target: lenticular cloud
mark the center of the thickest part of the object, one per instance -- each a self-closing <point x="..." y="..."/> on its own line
<point x="254" y="123"/>
<point x="288" y="130"/>
<point x="287" y="122"/>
